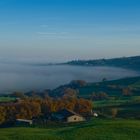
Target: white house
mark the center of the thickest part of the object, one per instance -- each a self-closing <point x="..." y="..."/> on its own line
<point x="68" y="116"/>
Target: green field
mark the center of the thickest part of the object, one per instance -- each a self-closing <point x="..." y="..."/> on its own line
<point x="97" y="129"/>
<point x="128" y="107"/>
<point x="6" y="99"/>
<point x="133" y="83"/>
<point x="117" y="102"/>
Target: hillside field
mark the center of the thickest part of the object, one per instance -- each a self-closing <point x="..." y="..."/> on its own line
<point x="112" y="88"/>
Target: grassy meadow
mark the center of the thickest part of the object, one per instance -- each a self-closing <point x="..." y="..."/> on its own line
<point x="97" y="129"/>
<point x="6" y="99"/>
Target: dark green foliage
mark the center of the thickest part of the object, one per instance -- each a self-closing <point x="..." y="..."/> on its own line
<point x="112" y="88"/>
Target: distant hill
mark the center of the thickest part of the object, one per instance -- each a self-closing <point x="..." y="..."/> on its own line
<point x="124" y="62"/>
<point x="112" y="88"/>
<point x="80" y="88"/>
<point x="83" y="89"/>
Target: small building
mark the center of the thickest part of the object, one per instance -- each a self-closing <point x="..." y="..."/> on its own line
<point x="24" y="122"/>
<point x="67" y="116"/>
<point x="95" y="114"/>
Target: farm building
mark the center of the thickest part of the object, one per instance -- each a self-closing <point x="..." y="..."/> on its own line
<point x="67" y="116"/>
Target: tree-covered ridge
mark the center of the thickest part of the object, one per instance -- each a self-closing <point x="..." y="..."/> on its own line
<point x="124" y="62"/>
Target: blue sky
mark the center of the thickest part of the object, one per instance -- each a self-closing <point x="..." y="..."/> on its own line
<point x="60" y="30"/>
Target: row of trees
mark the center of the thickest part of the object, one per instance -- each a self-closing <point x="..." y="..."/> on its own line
<point x="99" y="96"/>
<point x="125" y="91"/>
<point x="34" y="107"/>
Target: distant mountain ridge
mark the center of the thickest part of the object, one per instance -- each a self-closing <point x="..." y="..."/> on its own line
<point x="123" y="62"/>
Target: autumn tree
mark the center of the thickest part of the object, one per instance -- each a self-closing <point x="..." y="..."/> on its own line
<point x="18" y="94"/>
<point x="114" y="112"/>
<point x="32" y="107"/>
<point x="28" y="109"/>
<point x="69" y="92"/>
<point x="126" y="91"/>
<point x="2" y="115"/>
<point x="83" y="106"/>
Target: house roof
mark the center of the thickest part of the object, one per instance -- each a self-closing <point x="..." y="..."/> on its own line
<point x="65" y="113"/>
<point x="23" y="120"/>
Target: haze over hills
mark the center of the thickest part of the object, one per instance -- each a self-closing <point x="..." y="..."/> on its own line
<point x="132" y="62"/>
<point x="123" y="62"/>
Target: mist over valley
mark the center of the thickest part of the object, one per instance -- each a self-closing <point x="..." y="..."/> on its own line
<point x="22" y="77"/>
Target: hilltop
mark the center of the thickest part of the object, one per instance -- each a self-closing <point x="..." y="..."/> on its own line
<point x="113" y="87"/>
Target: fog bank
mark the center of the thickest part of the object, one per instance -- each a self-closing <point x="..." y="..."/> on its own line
<point x="20" y="77"/>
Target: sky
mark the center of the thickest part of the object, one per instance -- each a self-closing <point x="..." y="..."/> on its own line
<point x="61" y="30"/>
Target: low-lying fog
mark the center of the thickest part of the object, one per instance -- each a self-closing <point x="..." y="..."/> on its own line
<point x="17" y="77"/>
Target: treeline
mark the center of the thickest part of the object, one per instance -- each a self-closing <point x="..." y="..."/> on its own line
<point x="96" y="91"/>
<point x="28" y="108"/>
<point x="68" y="90"/>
